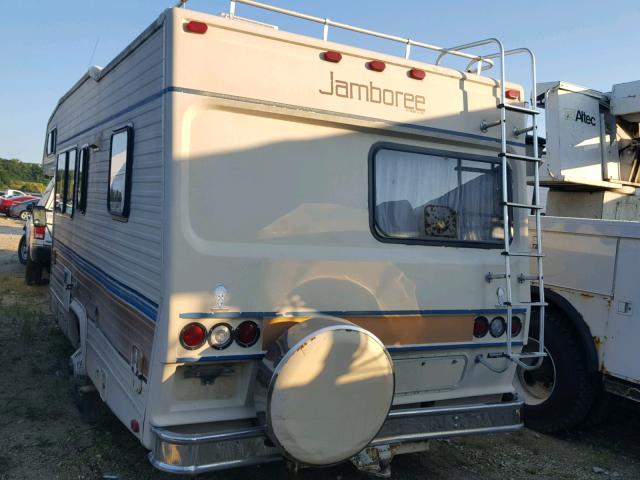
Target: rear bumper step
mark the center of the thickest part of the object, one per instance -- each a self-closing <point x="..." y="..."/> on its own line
<point x="182" y="450"/>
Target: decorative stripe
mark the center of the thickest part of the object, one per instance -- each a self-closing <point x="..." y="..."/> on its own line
<point x="347" y="313"/>
<point x="128" y="295"/>
<point x="391" y="349"/>
<point x="204" y="93"/>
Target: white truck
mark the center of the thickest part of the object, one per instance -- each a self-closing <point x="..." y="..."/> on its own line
<point x="591" y="234"/>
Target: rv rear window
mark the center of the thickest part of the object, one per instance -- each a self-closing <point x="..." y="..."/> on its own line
<point x="435" y="197"/>
<point x="120" y="172"/>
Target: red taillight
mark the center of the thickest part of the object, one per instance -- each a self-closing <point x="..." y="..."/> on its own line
<point x="135" y="426"/>
<point x="516" y="326"/>
<point x="247" y="334"/>
<point x="39" y="232"/>
<point x="416" y="73"/>
<point x="480" y="327"/>
<point x="376" y="65"/>
<point x="331" y="56"/>
<point x="512" y="94"/>
<point x="193" y="336"/>
<point x="196" y="27"/>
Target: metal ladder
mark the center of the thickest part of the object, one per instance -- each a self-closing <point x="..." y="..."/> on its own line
<point x="505" y="156"/>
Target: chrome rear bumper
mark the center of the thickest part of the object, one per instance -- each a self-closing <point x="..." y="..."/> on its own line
<point x="189" y="451"/>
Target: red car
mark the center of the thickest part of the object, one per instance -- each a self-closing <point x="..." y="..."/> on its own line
<point x="6" y="203"/>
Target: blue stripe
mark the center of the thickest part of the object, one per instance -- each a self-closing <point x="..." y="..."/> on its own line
<point x="133" y="298"/>
<point x="391" y="349"/>
<point x="204" y="93"/>
<point x="348" y="313"/>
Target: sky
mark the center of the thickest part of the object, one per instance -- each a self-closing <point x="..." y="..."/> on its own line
<point x="47" y="45"/>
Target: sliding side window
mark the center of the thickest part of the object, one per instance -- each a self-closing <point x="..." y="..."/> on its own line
<point x="83" y="178"/>
<point x="120" y="168"/>
<point x="65" y="182"/>
<point x="436" y="197"/>
<point x="51" y="141"/>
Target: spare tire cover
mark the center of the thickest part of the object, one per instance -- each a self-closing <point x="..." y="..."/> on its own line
<point x="324" y="390"/>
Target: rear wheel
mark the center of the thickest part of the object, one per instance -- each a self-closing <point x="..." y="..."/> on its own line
<point x="24" y="215"/>
<point x="559" y="394"/>
<point x="23" y="250"/>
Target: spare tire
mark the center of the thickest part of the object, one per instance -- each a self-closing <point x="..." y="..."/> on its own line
<point x="324" y="390"/>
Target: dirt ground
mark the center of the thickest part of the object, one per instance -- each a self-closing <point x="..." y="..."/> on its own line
<point x="42" y="436"/>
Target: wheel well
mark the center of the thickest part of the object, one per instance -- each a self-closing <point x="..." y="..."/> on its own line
<point x="573" y="320"/>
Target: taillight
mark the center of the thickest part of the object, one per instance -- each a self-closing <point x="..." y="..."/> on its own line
<point x="516" y="326"/>
<point x="39" y="232"/>
<point x="193" y="336"/>
<point x="247" y="333"/>
<point x="480" y="327"/>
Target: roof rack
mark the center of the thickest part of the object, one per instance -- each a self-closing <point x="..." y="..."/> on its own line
<point x="481" y="62"/>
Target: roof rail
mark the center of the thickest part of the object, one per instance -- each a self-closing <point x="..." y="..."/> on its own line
<point x="482" y="61"/>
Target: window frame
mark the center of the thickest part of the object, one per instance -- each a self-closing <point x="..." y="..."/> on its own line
<point x="65" y="183"/>
<point x="443" y="242"/>
<point x="82" y="178"/>
<point x="124" y="215"/>
<point x="53" y="133"/>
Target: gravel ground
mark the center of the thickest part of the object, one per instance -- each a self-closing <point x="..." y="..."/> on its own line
<point x="42" y="436"/>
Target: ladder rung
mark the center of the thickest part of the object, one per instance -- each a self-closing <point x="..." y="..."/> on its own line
<point x="525" y="304"/>
<point x="524" y="158"/>
<point x="528" y="355"/>
<point x="523" y="205"/>
<point x="514" y="108"/>
<point x="523" y="254"/>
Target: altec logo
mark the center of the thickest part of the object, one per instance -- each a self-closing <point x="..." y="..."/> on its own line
<point x="580" y="116"/>
<point x="368" y="92"/>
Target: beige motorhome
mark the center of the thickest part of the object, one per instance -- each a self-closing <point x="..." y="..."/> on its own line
<point x="272" y="246"/>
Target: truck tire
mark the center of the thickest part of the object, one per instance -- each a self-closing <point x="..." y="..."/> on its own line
<point x="33" y="272"/>
<point x="23" y="250"/>
<point x="560" y="393"/>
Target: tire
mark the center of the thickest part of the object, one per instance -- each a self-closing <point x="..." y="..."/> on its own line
<point x="91" y="407"/>
<point x="24" y="215"/>
<point x="33" y="272"/>
<point x="23" y="250"/>
<point x="561" y="392"/>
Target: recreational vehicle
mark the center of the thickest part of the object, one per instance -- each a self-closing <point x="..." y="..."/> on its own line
<point x="273" y="246"/>
<point x="591" y="231"/>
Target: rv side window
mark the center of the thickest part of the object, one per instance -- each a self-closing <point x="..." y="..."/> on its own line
<point x="51" y="142"/>
<point x="61" y="168"/>
<point x="83" y="177"/>
<point x="436" y="197"/>
<point x="120" y="172"/>
<point x="71" y="181"/>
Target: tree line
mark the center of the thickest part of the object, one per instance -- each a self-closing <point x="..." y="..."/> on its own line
<point x="22" y="176"/>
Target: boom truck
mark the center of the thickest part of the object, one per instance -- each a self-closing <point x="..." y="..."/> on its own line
<point x="591" y="231"/>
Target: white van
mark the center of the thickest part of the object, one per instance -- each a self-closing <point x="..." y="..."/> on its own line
<point x="272" y="246"/>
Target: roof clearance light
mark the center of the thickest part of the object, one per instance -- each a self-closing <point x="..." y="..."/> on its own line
<point x="193" y="336"/>
<point x="196" y="27"/>
<point x="332" y="56"/>
<point x="376" y="65"/>
<point x="512" y="94"/>
<point x="247" y="334"/>
<point x="416" y="73"/>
